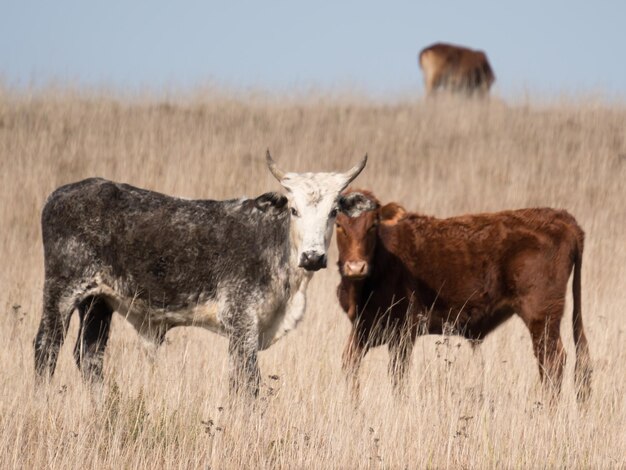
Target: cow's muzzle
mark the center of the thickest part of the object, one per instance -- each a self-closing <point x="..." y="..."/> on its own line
<point x="355" y="269"/>
<point x="312" y="261"/>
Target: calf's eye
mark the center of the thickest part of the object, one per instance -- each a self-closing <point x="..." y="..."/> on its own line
<point x="294" y="212"/>
<point x="333" y="213"/>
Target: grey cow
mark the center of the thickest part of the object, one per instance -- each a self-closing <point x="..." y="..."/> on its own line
<point x="239" y="268"/>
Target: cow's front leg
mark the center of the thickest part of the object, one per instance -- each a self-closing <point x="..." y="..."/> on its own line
<point x="242" y="350"/>
<point x="401" y="344"/>
<point x="351" y="359"/>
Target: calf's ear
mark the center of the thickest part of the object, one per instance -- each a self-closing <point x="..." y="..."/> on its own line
<point x="354" y="204"/>
<point x="391" y="213"/>
<point x="274" y="202"/>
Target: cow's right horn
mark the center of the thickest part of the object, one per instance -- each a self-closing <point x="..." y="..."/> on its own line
<point x="354" y="171"/>
<point x="277" y="172"/>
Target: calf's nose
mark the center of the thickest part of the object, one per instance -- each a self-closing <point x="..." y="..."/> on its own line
<point x="312" y="260"/>
<point x="355" y="268"/>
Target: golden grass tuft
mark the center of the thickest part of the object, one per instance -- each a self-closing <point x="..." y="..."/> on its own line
<point x="466" y="409"/>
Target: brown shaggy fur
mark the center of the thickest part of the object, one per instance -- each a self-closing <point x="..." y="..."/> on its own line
<point x="405" y="274"/>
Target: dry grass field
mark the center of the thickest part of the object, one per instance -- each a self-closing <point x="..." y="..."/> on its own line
<point x="466" y="409"/>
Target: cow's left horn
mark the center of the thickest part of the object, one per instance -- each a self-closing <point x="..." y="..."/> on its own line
<point x="354" y="171"/>
<point x="277" y="172"/>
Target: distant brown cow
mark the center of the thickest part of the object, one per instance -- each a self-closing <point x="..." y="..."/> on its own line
<point x="455" y="69"/>
<point x="405" y="274"/>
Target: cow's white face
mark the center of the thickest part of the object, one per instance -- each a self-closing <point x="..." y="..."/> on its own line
<point x="314" y="201"/>
<point x="313" y="204"/>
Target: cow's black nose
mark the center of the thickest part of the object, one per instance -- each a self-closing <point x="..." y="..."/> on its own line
<point x="312" y="261"/>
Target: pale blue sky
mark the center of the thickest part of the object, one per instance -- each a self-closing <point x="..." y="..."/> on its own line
<point x="537" y="46"/>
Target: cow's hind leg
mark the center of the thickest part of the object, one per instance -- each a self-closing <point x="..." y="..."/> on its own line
<point x="93" y="335"/>
<point x="52" y="330"/>
<point x="548" y="347"/>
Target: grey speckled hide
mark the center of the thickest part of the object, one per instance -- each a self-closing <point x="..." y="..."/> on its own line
<point x="239" y="268"/>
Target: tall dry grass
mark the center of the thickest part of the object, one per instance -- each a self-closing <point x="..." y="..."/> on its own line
<point x="467" y="409"/>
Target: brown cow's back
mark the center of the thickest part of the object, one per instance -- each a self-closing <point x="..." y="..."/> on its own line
<point x="473" y="270"/>
<point x="479" y="282"/>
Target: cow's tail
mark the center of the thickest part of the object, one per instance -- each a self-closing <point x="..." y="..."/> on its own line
<point x="420" y="58"/>
<point x="582" y="371"/>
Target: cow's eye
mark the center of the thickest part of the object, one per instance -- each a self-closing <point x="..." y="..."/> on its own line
<point x="295" y="212"/>
<point x="333" y="213"/>
<point x="373" y="227"/>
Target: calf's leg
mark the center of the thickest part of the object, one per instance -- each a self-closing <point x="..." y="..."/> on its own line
<point x="544" y="330"/>
<point x="353" y="354"/>
<point x="400" y="349"/>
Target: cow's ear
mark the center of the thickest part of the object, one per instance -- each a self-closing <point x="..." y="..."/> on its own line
<point x="391" y="213"/>
<point x="275" y="202"/>
<point x="354" y="204"/>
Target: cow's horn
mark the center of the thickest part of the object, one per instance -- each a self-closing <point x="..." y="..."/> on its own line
<point x="355" y="170"/>
<point x="277" y="172"/>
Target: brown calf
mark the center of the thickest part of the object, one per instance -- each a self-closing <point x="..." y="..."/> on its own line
<point x="456" y="69"/>
<point x="405" y="274"/>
